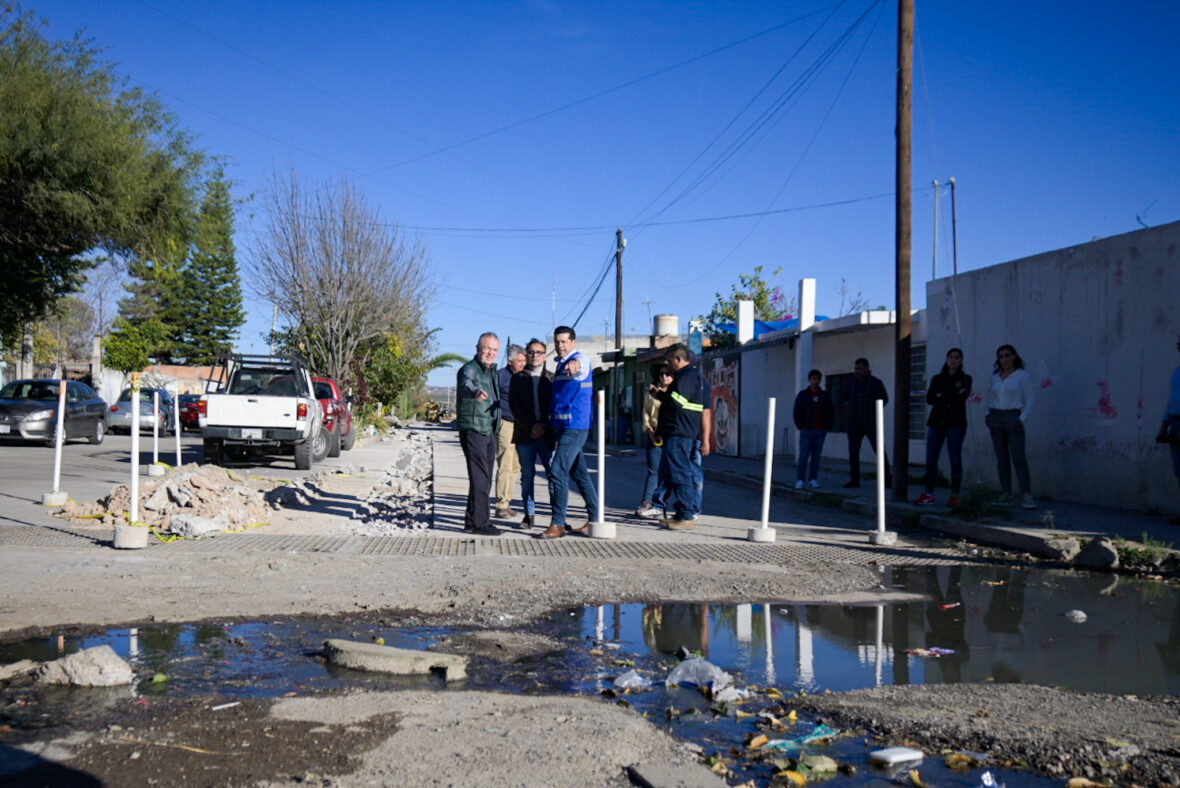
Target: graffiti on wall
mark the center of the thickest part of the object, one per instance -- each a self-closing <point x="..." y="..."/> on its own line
<point x="723" y="379"/>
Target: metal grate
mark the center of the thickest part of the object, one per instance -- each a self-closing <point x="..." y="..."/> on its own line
<point x="417" y="545"/>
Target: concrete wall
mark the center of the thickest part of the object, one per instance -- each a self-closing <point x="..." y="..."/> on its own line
<point x="1096" y="325"/>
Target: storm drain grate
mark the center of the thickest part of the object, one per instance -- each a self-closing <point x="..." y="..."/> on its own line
<point x="417" y="545"/>
<point x="258" y="543"/>
<point x="54" y="536"/>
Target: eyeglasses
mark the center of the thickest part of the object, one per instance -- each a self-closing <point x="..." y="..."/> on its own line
<point x="536" y="352"/>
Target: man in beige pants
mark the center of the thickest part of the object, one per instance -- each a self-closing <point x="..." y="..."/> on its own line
<point x="507" y="462"/>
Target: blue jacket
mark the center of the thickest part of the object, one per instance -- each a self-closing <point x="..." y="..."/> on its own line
<point x="573" y="397"/>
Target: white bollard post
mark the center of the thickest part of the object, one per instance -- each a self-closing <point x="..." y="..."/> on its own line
<point x="133" y="535"/>
<point x="765" y="533"/>
<point x="600" y="528"/>
<point x="57" y="497"/>
<point x="176" y="423"/>
<point x="881" y="536"/>
<point x="155" y="469"/>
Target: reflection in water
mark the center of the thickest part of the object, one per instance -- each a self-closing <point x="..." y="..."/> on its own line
<point x="997" y="623"/>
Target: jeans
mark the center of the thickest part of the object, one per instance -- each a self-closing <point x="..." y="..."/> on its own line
<point x="529" y="453"/>
<point x="698" y="476"/>
<point x="480" y="453"/>
<point x="856" y="434"/>
<point x="653" y="491"/>
<point x="569" y="464"/>
<point x="1008" y="440"/>
<point x="678" y="476"/>
<point x="954" y="449"/>
<point x="811" y="446"/>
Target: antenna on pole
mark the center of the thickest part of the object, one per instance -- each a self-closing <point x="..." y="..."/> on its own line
<point x="934" y="275"/>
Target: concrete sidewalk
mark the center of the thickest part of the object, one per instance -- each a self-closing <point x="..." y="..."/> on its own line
<point x="1019" y="529"/>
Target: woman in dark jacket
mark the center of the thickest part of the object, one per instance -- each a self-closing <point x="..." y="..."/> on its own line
<point x="815" y="416"/>
<point x="947" y="397"/>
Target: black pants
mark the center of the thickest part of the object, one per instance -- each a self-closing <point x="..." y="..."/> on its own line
<point x="856" y="434"/>
<point x="480" y="453"/>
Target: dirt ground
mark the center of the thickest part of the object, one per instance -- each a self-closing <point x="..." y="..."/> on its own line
<point x="486" y="738"/>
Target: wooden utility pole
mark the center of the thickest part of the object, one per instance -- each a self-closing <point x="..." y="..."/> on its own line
<point x="620" y="245"/>
<point x="903" y="325"/>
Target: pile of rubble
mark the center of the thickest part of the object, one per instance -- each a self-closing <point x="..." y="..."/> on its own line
<point x="403" y="502"/>
<point x="190" y="501"/>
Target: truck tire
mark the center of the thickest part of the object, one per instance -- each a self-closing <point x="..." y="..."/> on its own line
<point x="303" y="455"/>
<point x="320" y="444"/>
<point x="213" y="452"/>
<point x="334" y="445"/>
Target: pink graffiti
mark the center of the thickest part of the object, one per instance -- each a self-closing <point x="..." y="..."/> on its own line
<point x="1106" y="411"/>
<point x="1046" y="374"/>
<point x="975" y="398"/>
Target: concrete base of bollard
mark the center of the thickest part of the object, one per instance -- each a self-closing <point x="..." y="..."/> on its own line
<point x="603" y="530"/>
<point x="58" y="498"/>
<point x="884" y="538"/>
<point x="131" y="537"/>
<point x="759" y="534"/>
<point x="155" y="470"/>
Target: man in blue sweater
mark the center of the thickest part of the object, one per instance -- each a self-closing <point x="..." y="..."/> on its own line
<point x="570" y="415"/>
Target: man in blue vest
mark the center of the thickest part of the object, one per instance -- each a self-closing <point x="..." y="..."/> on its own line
<point x="570" y="415"/>
<point x="477" y="394"/>
<point x="682" y="407"/>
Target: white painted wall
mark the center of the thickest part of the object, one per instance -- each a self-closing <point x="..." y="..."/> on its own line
<point x="1096" y="325"/>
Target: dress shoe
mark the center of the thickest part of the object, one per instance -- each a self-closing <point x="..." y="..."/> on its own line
<point x="525" y="523"/>
<point x="583" y="531"/>
<point x="487" y="530"/>
<point x="553" y="532"/>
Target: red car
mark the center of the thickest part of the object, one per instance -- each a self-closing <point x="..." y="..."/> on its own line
<point x="337" y="433"/>
<point x="188" y="411"/>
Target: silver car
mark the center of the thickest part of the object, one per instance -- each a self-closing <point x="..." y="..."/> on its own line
<point x="120" y="416"/>
<point x="28" y="411"/>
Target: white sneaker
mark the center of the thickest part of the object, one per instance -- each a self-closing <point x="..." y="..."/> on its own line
<point x="813" y="484"/>
<point x="799" y="485"/>
<point x="1027" y="502"/>
<point x="650" y="513"/>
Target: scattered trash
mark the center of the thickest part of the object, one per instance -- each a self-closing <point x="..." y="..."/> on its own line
<point x="632" y="680"/>
<point x="818" y="765"/>
<point x="933" y="651"/>
<point x="891" y="756"/>
<point x="916" y="779"/>
<point x="818" y="733"/>
<point x="226" y="706"/>
<point x="699" y="672"/>
<point x="994" y="583"/>
<point x="731" y="695"/>
<point x="949" y="606"/>
<point x="159" y="678"/>
<point x="964" y="760"/>
<point x="987" y="780"/>
<point x="1076" y="616"/>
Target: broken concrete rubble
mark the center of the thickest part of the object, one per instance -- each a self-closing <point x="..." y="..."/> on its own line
<point x="93" y="667"/>
<point x="399" y="661"/>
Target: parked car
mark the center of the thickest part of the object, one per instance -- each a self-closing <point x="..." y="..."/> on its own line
<point x="28" y="411"/>
<point x="189" y="412"/>
<point x="337" y="433"/>
<point x="120" y="418"/>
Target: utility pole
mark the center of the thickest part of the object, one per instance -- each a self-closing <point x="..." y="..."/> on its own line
<point x="934" y="275"/>
<point x="620" y="245"/>
<point x="902" y="234"/>
<point x="954" y="228"/>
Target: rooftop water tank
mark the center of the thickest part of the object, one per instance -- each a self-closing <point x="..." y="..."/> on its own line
<point x="667" y="325"/>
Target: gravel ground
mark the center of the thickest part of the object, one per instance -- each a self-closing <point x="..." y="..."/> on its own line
<point x="484" y="738"/>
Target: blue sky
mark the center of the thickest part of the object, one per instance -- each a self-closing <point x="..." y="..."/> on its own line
<point x="1058" y="121"/>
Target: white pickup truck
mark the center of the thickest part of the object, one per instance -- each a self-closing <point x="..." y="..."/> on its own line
<point x="260" y="403"/>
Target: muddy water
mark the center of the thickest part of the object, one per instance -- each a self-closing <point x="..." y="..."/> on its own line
<point x="976" y="624"/>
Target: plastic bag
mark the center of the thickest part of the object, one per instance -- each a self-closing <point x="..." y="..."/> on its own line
<point x="632" y="680"/>
<point x="698" y="672"/>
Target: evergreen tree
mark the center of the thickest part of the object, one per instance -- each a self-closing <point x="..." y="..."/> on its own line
<point x="205" y="310"/>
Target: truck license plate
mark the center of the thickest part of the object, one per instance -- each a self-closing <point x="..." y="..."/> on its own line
<point x="252" y="434"/>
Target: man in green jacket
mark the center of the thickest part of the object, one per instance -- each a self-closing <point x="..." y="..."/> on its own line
<point x="477" y="393"/>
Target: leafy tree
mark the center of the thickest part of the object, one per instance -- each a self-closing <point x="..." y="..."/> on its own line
<point x="66" y="334"/>
<point x="209" y="308"/>
<point x="86" y="163"/>
<point x="129" y="346"/>
<point x="770" y="303"/>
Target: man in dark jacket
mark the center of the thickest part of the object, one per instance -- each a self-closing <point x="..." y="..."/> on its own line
<point x="682" y="408"/>
<point x="815" y="415"/>
<point x="863" y="392"/>
<point x="530" y="394"/>
<point x="477" y="392"/>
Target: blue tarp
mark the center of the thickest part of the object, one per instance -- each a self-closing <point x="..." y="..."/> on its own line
<point x="766" y="326"/>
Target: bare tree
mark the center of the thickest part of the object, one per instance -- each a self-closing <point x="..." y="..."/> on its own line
<point x="850" y="304"/>
<point x="338" y="274"/>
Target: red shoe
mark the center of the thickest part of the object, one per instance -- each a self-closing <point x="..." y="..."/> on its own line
<point x="952" y="502"/>
<point x="925" y="499"/>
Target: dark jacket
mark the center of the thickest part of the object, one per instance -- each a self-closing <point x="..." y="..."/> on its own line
<point x="682" y="405"/>
<point x="504" y="376"/>
<point x="471" y="414"/>
<point x="520" y="398"/>
<point x="948" y="396"/>
<point x="860" y="402"/>
<point x="805" y="408"/>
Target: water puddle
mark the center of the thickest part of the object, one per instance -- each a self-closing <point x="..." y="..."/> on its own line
<point x="975" y="624"/>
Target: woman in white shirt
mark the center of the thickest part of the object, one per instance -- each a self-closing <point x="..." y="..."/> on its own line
<point x="1009" y="403"/>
